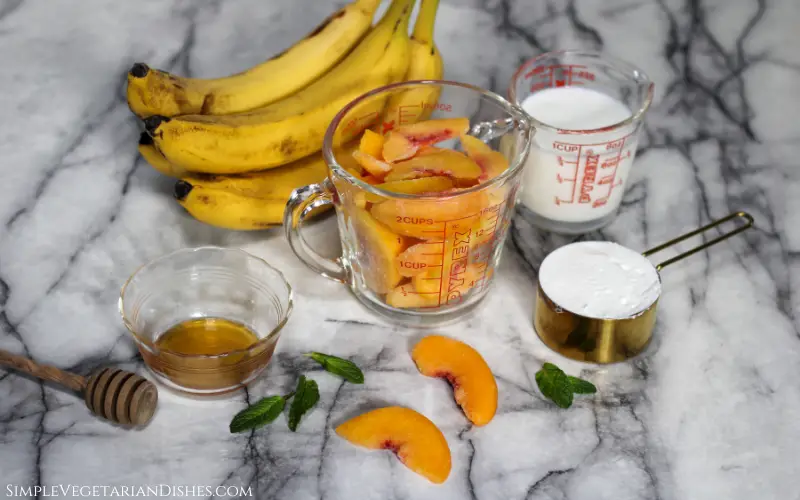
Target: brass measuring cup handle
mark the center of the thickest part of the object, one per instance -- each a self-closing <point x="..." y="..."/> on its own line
<point x="740" y="215"/>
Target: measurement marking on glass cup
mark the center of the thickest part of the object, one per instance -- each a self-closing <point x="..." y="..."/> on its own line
<point x="589" y="156"/>
<point x="571" y="74"/>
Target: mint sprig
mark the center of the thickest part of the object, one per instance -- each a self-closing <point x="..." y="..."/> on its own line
<point x="306" y="396"/>
<point x="339" y="366"/>
<point x="259" y="414"/>
<point x="560" y="387"/>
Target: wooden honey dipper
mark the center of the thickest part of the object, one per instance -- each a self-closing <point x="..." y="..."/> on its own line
<point x="116" y="395"/>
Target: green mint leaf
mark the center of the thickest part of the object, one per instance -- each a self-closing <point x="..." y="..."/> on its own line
<point x="306" y="396"/>
<point x="580" y="386"/>
<point x="256" y="415"/>
<point x="338" y="366"/>
<point x="555" y="385"/>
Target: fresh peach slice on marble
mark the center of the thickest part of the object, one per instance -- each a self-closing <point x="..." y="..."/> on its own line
<point x="372" y="144"/>
<point x="444" y="162"/>
<point x="406" y="297"/>
<point x="490" y="161"/>
<point x="372" y="165"/>
<point x="403" y="142"/>
<point x="377" y="248"/>
<point x="474" y="386"/>
<point x="416" y="441"/>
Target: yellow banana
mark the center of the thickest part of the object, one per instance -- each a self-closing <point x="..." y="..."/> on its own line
<point x="293" y="127"/>
<point x="426" y="64"/>
<point x="154" y="92"/>
<point x="249" y="201"/>
<point x="156" y="160"/>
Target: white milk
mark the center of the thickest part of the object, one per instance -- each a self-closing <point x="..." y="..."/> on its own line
<point x="577" y="177"/>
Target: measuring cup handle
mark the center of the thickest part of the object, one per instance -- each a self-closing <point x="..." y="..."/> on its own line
<point x="301" y="203"/>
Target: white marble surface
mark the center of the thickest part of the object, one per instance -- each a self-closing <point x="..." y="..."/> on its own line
<point x="711" y="412"/>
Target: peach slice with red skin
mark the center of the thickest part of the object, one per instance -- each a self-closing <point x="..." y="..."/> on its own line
<point x="374" y="166"/>
<point x="444" y="162"/>
<point x="474" y="385"/>
<point x="416" y="441"/>
<point x="404" y="141"/>
<point x="377" y="248"/>
<point x="423" y="185"/>
<point x="490" y="161"/>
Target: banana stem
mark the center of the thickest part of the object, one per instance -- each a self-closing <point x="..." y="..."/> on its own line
<point x="399" y="13"/>
<point x="367" y="5"/>
<point x="423" y="26"/>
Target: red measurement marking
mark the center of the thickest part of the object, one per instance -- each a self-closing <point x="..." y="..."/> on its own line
<point x="361" y="121"/>
<point x="560" y="75"/>
<point x="589" y="175"/>
<point x="387" y="126"/>
<point x="574" y="178"/>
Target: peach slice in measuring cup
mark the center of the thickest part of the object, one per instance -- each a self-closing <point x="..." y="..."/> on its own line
<point x="375" y="167"/>
<point x="411" y="186"/>
<point x="490" y="161"/>
<point x="404" y="141"/>
<point x="405" y="296"/>
<point x="425" y="219"/>
<point x="442" y="162"/>
<point x="450" y="281"/>
<point x="378" y="247"/>
<point x="372" y="144"/>
<point x="419" y="258"/>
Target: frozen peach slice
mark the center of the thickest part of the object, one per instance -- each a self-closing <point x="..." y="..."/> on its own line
<point x="377" y="247"/>
<point x="371" y="164"/>
<point x="406" y="297"/>
<point x="404" y="141"/>
<point x="419" y="258"/>
<point x="444" y="162"/>
<point x="474" y="386"/>
<point x="416" y="441"/>
<point x="372" y="144"/>
<point x="490" y="161"/>
<point x="426" y="219"/>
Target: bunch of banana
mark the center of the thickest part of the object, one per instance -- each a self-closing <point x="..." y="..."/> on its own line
<point x="240" y="145"/>
<point x="155" y="92"/>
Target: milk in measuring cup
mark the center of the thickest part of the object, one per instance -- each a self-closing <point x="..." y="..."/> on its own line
<point x="573" y="177"/>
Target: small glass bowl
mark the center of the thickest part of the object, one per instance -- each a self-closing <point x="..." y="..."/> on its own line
<point x="206" y="282"/>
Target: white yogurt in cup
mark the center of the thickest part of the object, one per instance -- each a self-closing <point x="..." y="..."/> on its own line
<point x="586" y="111"/>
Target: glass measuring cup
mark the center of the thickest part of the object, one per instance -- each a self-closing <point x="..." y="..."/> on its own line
<point x="586" y="111"/>
<point x="424" y="258"/>
<point x="612" y="338"/>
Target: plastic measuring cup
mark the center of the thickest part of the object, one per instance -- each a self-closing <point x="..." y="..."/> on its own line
<point x="417" y="259"/>
<point x="581" y="156"/>
<point x="605" y="340"/>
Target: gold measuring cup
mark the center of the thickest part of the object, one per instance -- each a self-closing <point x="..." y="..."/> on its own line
<point x="602" y="340"/>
